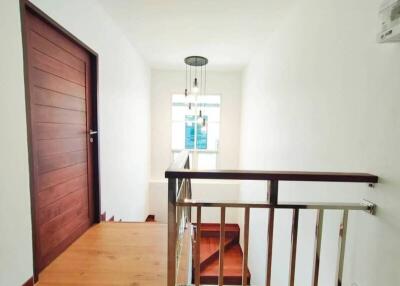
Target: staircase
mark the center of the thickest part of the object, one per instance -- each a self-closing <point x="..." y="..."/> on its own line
<point x="209" y="255"/>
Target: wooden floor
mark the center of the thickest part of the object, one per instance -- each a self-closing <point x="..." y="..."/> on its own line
<point x="113" y="254"/>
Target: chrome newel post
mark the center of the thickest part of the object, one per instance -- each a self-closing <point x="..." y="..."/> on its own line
<point x="172" y="228"/>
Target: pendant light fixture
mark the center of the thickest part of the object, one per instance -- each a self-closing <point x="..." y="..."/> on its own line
<point x="196" y="82"/>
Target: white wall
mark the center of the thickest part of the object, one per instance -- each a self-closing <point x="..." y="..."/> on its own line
<point x="322" y="95"/>
<point x="124" y="106"/>
<point x="165" y="83"/>
<point x="15" y="213"/>
<point x="124" y="114"/>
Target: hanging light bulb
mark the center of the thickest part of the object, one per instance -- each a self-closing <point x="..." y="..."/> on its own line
<point x="195" y="88"/>
<point x="204" y="126"/>
<point x="200" y="117"/>
<point x="196" y="67"/>
<point x="186" y="100"/>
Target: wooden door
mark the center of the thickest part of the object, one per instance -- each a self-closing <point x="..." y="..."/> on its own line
<point x="60" y="118"/>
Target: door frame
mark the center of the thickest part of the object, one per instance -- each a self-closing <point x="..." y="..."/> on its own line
<point x="25" y="5"/>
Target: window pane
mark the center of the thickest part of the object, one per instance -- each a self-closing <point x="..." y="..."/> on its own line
<point x="180" y="106"/>
<point x="212" y="111"/>
<point x="209" y="99"/>
<point x="178" y="135"/>
<point x="202" y="134"/>
<point x="206" y="161"/>
<point x="213" y="136"/>
<point x="189" y="131"/>
<point x="210" y="105"/>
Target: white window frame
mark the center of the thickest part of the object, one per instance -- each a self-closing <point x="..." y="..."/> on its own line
<point x="194" y="153"/>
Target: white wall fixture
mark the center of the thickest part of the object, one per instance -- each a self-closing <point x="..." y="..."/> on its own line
<point x="390" y="21"/>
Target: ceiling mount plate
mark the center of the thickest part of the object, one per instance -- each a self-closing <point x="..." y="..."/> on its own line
<point x="196" y="61"/>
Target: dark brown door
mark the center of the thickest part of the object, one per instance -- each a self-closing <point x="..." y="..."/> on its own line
<point x="60" y="106"/>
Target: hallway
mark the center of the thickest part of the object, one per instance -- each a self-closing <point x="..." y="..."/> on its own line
<point x="113" y="254"/>
<point x="277" y="106"/>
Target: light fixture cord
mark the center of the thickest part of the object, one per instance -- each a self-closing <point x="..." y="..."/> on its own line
<point x="201" y="80"/>
<point x="199" y="85"/>
<point x="205" y="79"/>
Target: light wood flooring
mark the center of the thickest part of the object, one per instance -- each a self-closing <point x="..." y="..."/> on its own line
<point x="113" y="254"/>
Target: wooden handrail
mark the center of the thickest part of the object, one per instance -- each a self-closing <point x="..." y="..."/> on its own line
<point x="272" y="175"/>
<point x="177" y="170"/>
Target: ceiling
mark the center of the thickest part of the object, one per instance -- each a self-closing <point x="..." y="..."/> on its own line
<point x="225" y="31"/>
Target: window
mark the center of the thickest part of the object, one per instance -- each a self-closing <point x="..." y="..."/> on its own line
<point x="189" y="132"/>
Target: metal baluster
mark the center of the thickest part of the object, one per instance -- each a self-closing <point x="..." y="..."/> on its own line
<point x="273" y="200"/>
<point x="317" y="247"/>
<point x="221" y="248"/>
<point x="172" y="228"/>
<point x="197" y="257"/>
<point x="245" y="246"/>
<point x="186" y="196"/>
<point x="270" y="238"/>
<point x="342" y="247"/>
<point x="190" y="197"/>
<point x="292" y="265"/>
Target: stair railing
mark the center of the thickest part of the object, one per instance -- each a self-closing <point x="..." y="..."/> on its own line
<point x="178" y="216"/>
<point x="180" y="203"/>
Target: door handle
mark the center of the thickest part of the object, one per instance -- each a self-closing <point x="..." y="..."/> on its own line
<point x="91" y="133"/>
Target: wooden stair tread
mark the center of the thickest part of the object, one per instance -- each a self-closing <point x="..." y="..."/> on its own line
<point x="213" y="229"/>
<point x="209" y="249"/>
<point x="232" y="268"/>
<point x="232" y="263"/>
<point x="209" y="255"/>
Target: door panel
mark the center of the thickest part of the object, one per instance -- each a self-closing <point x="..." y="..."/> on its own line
<point x="45" y="97"/>
<point x="60" y="119"/>
<point x="53" y="194"/>
<point x="58" y="131"/>
<point x="56" y="162"/>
